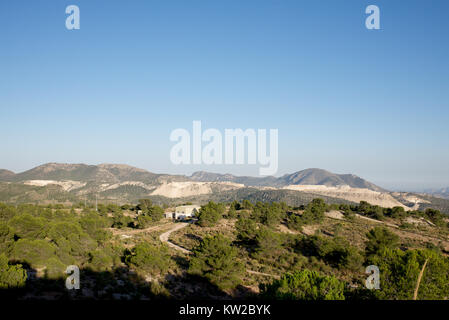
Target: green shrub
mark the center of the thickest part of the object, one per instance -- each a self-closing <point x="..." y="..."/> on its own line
<point x="149" y="258"/>
<point x="379" y="238"/>
<point x="217" y="260"/>
<point x="305" y="285"/>
<point x="210" y="214"/>
<point x="11" y="276"/>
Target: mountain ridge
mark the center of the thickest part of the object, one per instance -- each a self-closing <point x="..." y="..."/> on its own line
<point x="119" y="173"/>
<point x="311" y="176"/>
<point x="118" y="183"/>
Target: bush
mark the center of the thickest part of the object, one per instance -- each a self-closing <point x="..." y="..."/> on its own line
<point x="247" y="205"/>
<point x="217" y="260"/>
<point x="27" y="226"/>
<point x="11" y="276"/>
<point x="246" y="230"/>
<point x="232" y="213"/>
<point x="6" y="238"/>
<point x="7" y="212"/>
<point x="144" y="221"/>
<point x="336" y="252"/>
<point x="119" y="220"/>
<point x="294" y="222"/>
<point x="305" y="285"/>
<point x="55" y="269"/>
<point x="151" y="259"/>
<point x="210" y="214"/>
<point x="379" y="238"/>
<point x="314" y="212"/>
<point x="34" y="252"/>
<point x="269" y="215"/>
<point x="399" y="273"/>
<point x="100" y="260"/>
<point x="156" y="213"/>
<point x="268" y="245"/>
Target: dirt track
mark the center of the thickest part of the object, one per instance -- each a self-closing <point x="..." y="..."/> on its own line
<point x="166" y="235"/>
<point x="119" y="232"/>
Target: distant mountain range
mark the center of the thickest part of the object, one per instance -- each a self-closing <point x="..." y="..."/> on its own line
<point x="118" y="183"/>
<point x="442" y="193"/>
<point x="119" y="173"/>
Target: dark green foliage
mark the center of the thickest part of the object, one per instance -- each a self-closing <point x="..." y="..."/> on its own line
<point x="268" y="214"/>
<point x="34" y="252"/>
<point x="217" y="260"/>
<point x="148" y="213"/>
<point x="144" y="205"/>
<point x="144" y="221"/>
<point x="336" y="252"/>
<point x="210" y="214"/>
<point x="11" y="276"/>
<point x="379" y="238"/>
<point x="314" y="212"/>
<point x="94" y="224"/>
<point x="119" y="220"/>
<point x="435" y="216"/>
<point x="247" y="205"/>
<point x="100" y="260"/>
<point x="6" y="238"/>
<point x="399" y="274"/>
<point x="365" y="209"/>
<point x="232" y="213"/>
<point x="64" y="230"/>
<point x="236" y="205"/>
<point x="398" y="212"/>
<point x="156" y="213"/>
<point x="305" y="285"/>
<point x="151" y="259"/>
<point x="294" y="222"/>
<point x="246" y="230"/>
<point x="55" y="269"/>
<point x="28" y="226"/>
<point x="6" y="212"/>
<point x="268" y="245"/>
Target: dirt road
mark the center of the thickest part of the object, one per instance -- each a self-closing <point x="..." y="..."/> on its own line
<point x="129" y="232"/>
<point x="166" y="235"/>
<point x="262" y="274"/>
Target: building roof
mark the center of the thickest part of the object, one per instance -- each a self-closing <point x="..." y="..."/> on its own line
<point x="191" y="206"/>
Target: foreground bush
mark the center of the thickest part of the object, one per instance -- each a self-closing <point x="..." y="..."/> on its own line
<point x="217" y="260"/>
<point x="11" y="276"/>
<point x="399" y="273"/>
<point x="305" y="285"/>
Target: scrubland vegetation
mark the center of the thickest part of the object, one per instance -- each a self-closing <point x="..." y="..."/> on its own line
<point x="238" y="250"/>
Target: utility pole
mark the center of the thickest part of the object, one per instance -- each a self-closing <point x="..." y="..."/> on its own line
<point x="96" y="202"/>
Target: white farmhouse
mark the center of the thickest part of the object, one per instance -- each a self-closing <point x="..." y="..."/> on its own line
<point x="183" y="212"/>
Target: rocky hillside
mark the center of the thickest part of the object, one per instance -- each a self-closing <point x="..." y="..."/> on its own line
<point x="326" y="178"/>
<point x="305" y="177"/>
<point x="108" y="173"/>
<point x="6" y="175"/>
<point x="117" y="183"/>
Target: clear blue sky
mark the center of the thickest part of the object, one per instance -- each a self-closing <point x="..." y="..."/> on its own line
<point x="350" y="100"/>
